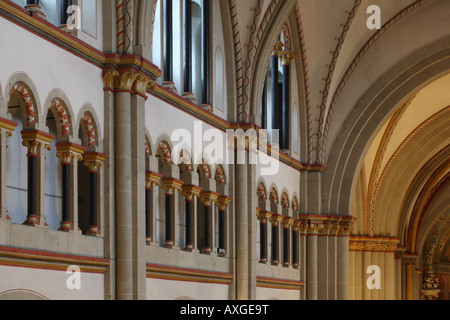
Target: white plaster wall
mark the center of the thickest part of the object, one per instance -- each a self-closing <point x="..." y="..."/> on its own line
<point x="51" y="284"/>
<point x="37" y="58"/>
<point x="264" y="294"/>
<point x="159" y="289"/>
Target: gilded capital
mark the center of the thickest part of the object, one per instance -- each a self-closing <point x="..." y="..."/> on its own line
<point x="35" y="139"/>
<point x="152" y="178"/>
<point x="208" y="197"/>
<point x="191" y="191"/>
<point x="94" y="161"/>
<point x="68" y="152"/>
<point x="223" y="202"/>
<point x="171" y="184"/>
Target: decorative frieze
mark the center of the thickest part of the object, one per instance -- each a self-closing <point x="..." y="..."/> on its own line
<point x="374" y="244"/>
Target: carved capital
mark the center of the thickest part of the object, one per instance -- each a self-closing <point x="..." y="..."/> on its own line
<point x="276" y="219"/>
<point x="94" y="161"/>
<point x="110" y="79"/>
<point x="68" y="152"/>
<point x="152" y="178"/>
<point x="208" y="197"/>
<point x="8" y="126"/>
<point x="191" y="191"/>
<point x="35" y="139"/>
<point x="286" y="57"/>
<point x="171" y="184"/>
<point x="264" y="216"/>
<point x="223" y="202"/>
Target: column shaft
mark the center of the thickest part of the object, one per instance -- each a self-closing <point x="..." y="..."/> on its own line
<point x="285" y="117"/>
<point x="65" y="192"/>
<point x="187" y="68"/>
<point x="168" y="45"/>
<point x="205" y="53"/>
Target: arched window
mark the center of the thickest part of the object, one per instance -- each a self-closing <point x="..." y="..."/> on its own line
<point x="16" y="185"/>
<point x="219" y="84"/>
<point x="53" y="180"/>
<point x="180" y="47"/>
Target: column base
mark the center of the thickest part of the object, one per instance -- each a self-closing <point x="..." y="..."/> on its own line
<point x="32" y="220"/>
<point x="169" y="244"/>
<point x="222" y="253"/>
<point x="263" y="261"/>
<point x="189" y="96"/>
<point x="36" y="9"/>
<point x="189" y="248"/>
<point x="286" y="265"/>
<point x="208" y="107"/>
<point x="275" y="263"/>
<point x="148" y="241"/>
<point x="207" y="251"/>
<point x="68" y="29"/>
<point x="66" y="227"/>
<point x="170" y="86"/>
<point x="93" y="231"/>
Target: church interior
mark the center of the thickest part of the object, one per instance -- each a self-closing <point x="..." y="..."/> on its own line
<point x="224" y="150"/>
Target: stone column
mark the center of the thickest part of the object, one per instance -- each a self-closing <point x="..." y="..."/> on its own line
<point x="295" y="244"/>
<point x="242" y="241"/>
<point x="223" y="202"/>
<point x="311" y="261"/>
<point x="37" y="143"/>
<point x="7" y="127"/>
<point x="322" y="260"/>
<point x="34" y="7"/>
<point x="70" y="154"/>
<point x="276" y="220"/>
<point x="190" y="193"/>
<point x="286" y="58"/>
<point x="264" y="217"/>
<point x="342" y="261"/>
<point x="94" y="161"/>
<point x="303" y="255"/>
<point x="170" y="185"/>
<point x="276" y="112"/>
<point x="287" y="224"/>
<point x="151" y="179"/>
<point x="208" y="198"/>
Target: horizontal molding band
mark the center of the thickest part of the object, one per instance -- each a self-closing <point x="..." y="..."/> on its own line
<point x="10" y="256"/>
<point x="188" y="275"/>
<point x="272" y="283"/>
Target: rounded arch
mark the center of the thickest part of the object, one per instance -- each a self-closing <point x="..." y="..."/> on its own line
<point x="204" y="169"/>
<point x="164" y="152"/>
<point x="285" y="200"/>
<point x="22" y="92"/>
<point x="58" y="103"/>
<point x="273" y="196"/>
<point x="89" y="133"/>
<point x="186" y="161"/>
<point x="148" y="145"/>
<point x="262" y="191"/>
<point x="395" y="86"/>
<point x="220" y="175"/>
<point x="262" y="49"/>
<point x="295" y="205"/>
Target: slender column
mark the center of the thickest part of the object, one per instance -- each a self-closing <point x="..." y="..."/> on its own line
<point x="264" y="106"/>
<point x="263" y="218"/>
<point x="69" y="154"/>
<point x="303" y="254"/>
<point x="311" y="262"/>
<point x="242" y="241"/>
<point x="94" y="161"/>
<point x="287" y="223"/>
<point x="276" y="220"/>
<point x="190" y="193"/>
<point x="65" y="5"/>
<point x="151" y="179"/>
<point x="286" y="58"/>
<point x="208" y="199"/>
<point x="35" y="8"/>
<point x="36" y="142"/>
<point x="276" y="114"/>
<point x="222" y="203"/>
<point x="343" y="251"/>
<point x="295" y="244"/>
<point x="187" y="70"/>
<point x="168" y="45"/>
<point x="7" y="127"/>
<point x="170" y="185"/>
<point x="206" y="91"/>
<point x="322" y="261"/>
